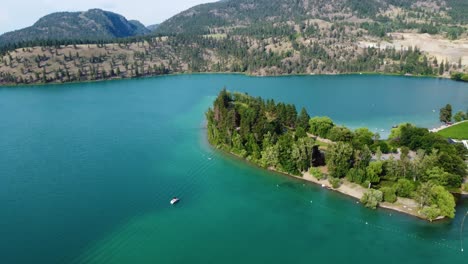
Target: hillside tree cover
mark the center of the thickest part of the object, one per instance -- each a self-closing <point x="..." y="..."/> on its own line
<point x="91" y="25"/>
<point x="275" y="37"/>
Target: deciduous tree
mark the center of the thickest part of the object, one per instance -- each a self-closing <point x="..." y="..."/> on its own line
<point x="338" y="159"/>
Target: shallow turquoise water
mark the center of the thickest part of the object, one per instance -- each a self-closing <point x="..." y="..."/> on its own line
<point x="87" y="172"/>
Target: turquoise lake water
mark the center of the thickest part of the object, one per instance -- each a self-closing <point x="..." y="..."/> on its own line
<point x="87" y="172"/>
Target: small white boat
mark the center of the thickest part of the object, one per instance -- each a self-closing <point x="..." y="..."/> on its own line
<point x="174" y="200"/>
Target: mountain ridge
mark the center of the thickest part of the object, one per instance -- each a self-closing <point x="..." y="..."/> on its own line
<point x="228" y="14"/>
<point x="94" y="24"/>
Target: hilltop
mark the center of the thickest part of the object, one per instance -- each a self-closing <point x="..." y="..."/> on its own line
<point x="94" y="24"/>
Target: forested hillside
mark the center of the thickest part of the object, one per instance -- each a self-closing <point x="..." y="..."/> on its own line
<point x="94" y="24"/>
<point x="388" y="15"/>
<point x="175" y="54"/>
<point x="257" y="37"/>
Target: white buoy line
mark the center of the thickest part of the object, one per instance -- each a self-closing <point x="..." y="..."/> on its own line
<point x="391" y="229"/>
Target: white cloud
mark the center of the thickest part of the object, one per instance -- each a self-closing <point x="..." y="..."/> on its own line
<point x="14" y="15"/>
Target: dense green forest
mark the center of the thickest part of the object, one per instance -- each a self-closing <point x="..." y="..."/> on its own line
<point x="89" y="26"/>
<point x="424" y="167"/>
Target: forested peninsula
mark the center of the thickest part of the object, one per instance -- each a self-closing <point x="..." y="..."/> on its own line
<point x="414" y="171"/>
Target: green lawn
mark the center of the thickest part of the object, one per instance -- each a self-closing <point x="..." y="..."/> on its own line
<point x="459" y="131"/>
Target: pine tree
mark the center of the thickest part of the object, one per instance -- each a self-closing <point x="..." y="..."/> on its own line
<point x="446" y="113"/>
<point x="441" y="68"/>
<point x="44" y="75"/>
<point x="303" y="119"/>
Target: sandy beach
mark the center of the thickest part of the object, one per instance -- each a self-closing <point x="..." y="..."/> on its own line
<point x="402" y="205"/>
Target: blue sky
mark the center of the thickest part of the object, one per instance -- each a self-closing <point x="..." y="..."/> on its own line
<point x="17" y="14"/>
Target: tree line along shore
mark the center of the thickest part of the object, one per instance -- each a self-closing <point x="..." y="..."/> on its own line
<point x="414" y="171"/>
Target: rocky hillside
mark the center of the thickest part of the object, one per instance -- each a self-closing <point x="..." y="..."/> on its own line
<point x="94" y="24"/>
<point x="260" y="37"/>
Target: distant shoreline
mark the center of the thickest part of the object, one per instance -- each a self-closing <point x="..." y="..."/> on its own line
<point x="8" y="85"/>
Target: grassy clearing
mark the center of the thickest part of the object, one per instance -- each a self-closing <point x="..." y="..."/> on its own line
<point x="458" y="131"/>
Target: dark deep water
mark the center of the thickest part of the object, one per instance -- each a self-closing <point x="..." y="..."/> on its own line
<point x="87" y="172"/>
